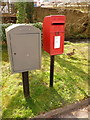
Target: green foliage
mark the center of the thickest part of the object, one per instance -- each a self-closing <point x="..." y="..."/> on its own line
<point x="38" y="25"/>
<point x="81" y="36"/>
<point x="70" y="83"/>
<point x="2" y="32"/>
<point x="78" y="36"/>
<point x="25" y="12"/>
<point x="21" y="12"/>
<point x="29" y="11"/>
<point x="4" y="26"/>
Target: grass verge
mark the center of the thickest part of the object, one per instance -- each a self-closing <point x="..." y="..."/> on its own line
<point x="70" y="83"/>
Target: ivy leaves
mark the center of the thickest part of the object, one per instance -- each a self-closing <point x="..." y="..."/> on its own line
<point x="24" y="12"/>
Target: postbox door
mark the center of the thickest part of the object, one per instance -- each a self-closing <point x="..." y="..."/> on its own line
<point x="57" y="43"/>
<point x="25" y="51"/>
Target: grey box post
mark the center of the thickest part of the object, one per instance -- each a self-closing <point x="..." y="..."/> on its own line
<point x="24" y="47"/>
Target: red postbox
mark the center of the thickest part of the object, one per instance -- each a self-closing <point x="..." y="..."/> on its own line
<point x="53" y="34"/>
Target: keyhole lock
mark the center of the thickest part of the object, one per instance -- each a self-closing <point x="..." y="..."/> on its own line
<point x="14" y="53"/>
<point x="57" y="33"/>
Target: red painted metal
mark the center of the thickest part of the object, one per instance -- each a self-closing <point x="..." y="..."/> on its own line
<point x="53" y="33"/>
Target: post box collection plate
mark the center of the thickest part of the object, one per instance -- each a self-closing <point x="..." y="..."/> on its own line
<point x="56" y="42"/>
<point x="24" y="47"/>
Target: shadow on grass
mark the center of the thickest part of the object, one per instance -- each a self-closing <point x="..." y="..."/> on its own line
<point x="67" y="64"/>
<point x="37" y="103"/>
<point x="73" y="58"/>
<point x="44" y="98"/>
<point x="78" y="59"/>
<point x="73" y="82"/>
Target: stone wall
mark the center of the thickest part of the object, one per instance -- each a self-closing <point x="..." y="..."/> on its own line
<point x="77" y="23"/>
<point x="40" y="13"/>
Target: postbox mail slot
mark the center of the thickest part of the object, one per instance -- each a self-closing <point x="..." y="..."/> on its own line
<point x="57" y="23"/>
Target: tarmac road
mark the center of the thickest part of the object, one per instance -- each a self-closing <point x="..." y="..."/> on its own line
<point x="80" y="109"/>
<point x="80" y="113"/>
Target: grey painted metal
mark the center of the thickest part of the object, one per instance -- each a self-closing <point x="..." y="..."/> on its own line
<point x="24" y="47"/>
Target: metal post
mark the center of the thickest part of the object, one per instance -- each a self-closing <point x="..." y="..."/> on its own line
<point x="25" y="80"/>
<point x="51" y="70"/>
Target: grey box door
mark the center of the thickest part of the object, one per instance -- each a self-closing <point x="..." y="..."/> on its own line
<point x="25" y="51"/>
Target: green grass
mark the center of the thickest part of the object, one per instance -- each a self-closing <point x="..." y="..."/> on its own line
<point x="70" y="83"/>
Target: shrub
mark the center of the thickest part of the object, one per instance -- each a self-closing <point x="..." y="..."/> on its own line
<point x="24" y="12"/>
<point x="2" y="31"/>
<point x="4" y="26"/>
<point x="38" y="25"/>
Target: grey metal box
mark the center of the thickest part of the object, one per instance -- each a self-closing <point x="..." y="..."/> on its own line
<point x="24" y="47"/>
